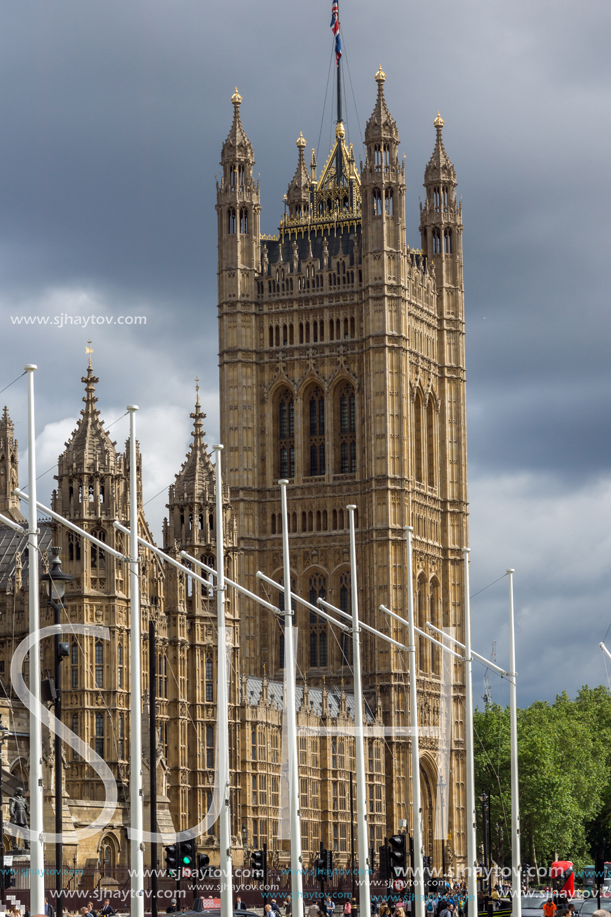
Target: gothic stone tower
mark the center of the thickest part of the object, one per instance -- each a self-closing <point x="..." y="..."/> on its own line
<point x="342" y="369"/>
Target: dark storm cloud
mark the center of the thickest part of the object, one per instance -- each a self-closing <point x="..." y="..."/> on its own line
<point x="112" y="117"/>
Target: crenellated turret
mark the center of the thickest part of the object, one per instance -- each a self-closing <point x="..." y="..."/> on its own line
<point x="9" y="469"/>
<point x="238" y="208"/>
<point x="441" y="216"/>
<point x="382" y="180"/>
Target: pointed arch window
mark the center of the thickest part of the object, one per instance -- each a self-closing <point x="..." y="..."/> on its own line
<point x="286" y="434"/>
<point x="75" y="730"/>
<point x="209" y="747"/>
<point x="430" y="441"/>
<point x="422" y="642"/>
<point x="98" y="555"/>
<point x="318" y="628"/>
<point x="99" y="664"/>
<point x="346" y="430"/>
<point x="436" y="240"/>
<point x="74" y="663"/>
<point x="418" y="438"/>
<point x="388" y="202"/>
<point x="316" y="425"/>
<point x="447" y="241"/>
<point x="436" y="661"/>
<point x="99" y="734"/>
<point x="377" y="202"/>
<point x="120" y="665"/>
<point x="209" y="680"/>
<point x="121" y="737"/>
<point x="231" y="221"/>
<point x="244" y="221"/>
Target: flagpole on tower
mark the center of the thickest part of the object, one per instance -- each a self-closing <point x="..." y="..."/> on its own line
<point x="338" y="56"/>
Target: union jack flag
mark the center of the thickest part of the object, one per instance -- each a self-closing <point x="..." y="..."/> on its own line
<point x="335" y="30"/>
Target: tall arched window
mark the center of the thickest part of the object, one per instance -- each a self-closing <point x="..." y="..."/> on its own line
<point x="244" y="220"/>
<point x="447" y="241"/>
<point x="346" y="430"/>
<point x="436" y="661"/>
<point x="209" y="680"/>
<point x="209" y="747"/>
<point x="418" y="438"/>
<point x="422" y="642"/>
<point x="388" y="202"/>
<point x="315" y="423"/>
<point x="99" y="734"/>
<point x="377" y="202"/>
<point x="286" y="435"/>
<point x="436" y="240"/>
<point x="231" y="221"/>
<point x="344" y="604"/>
<point x="430" y="441"/>
<point x="318" y="629"/>
<point x="98" y="555"/>
<point x="99" y="664"/>
<point x="75" y="729"/>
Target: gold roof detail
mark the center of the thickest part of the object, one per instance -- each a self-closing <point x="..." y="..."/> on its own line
<point x="380" y="75"/>
<point x="236" y="98"/>
<point x="301" y="144"/>
<point x="438" y="122"/>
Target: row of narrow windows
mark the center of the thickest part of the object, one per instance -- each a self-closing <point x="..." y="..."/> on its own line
<point x="305" y="283"/>
<point x="86" y="492"/>
<point x="424" y="441"/>
<point x="440" y="198"/>
<point x="100" y="737"/>
<point x="236" y="176"/>
<point x="382" y="203"/>
<point x="312" y="332"/>
<point x="319" y="642"/>
<point x="232" y="221"/>
<point x="436" y="241"/>
<point x="381" y="155"/>
<point x="200" y="521"/>
<point x="343" y="432"/>
<point x="314" y="521"/>
<point x="429" y="655"/>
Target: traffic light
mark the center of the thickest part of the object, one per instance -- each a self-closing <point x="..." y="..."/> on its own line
<point x="397" y="857"/>
<point x="427" y="863"/>
<point x="384" y="869"/>
<point x="321" y="865"/>
<point x="329" y="863"/>
<point x="9" y="878"/>
<point x="171" y="854"/>
<point x="203" y="865"/>
<point x="258" y="865"/>
<point x="186" y="858"/>
<point x="372" y="860"/>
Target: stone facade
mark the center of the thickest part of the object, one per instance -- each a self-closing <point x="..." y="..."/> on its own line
<point x="342" y="369"/>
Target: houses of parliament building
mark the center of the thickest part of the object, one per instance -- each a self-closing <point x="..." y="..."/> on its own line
<point x="341" y="353"/>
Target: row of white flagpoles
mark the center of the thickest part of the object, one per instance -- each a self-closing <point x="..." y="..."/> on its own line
<point x="136" y="833"/>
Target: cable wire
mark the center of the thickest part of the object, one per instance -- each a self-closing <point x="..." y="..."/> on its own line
<point x="13" y="382"/>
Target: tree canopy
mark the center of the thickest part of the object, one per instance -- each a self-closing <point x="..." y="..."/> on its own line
<point x="564" y="758"/>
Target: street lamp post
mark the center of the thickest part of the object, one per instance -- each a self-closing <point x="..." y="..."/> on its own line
<point x="56" y="581"/>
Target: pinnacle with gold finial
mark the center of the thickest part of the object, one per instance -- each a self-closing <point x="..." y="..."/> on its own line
<point x="380" y="75"/>
<point x="438" y="122"/>
<point x="236" y="98"/>
<point x="89" y="350"/>
<point x="301" y="144"/>
<point x="197" y="389"/>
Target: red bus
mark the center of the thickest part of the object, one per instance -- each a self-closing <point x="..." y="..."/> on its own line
<point x="562" y="875"/>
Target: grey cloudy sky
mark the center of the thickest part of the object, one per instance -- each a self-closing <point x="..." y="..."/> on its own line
<point x="112" y="117"/>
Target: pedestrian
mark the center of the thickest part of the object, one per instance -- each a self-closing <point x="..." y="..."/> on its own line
<point x="172" y="908"/>
<point x="549" y="908"/>
<point x="107" y="909"/>
<point x="267" y="910"/>
<point x="446" y="909"/>
<point x="239" y="904"/>
<point x="288" y="906"/>
<point x="49" y="912"/>
<point x="348" y="906"/>
<point x="91" y="910"/>
<point x="275" y="907"/>
<point x="314" y="910"/>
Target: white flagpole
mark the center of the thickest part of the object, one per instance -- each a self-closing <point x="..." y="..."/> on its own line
<point x="418" y="878"/>
<point x="135" y="781"/>
<point x="291" y="716"/>
<point x="37" y="851"/>
<point x="222" y="705"/>
<point x="471" y="840"/>
<point x="516" y="884"/>
<point x="361" y="788"/>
